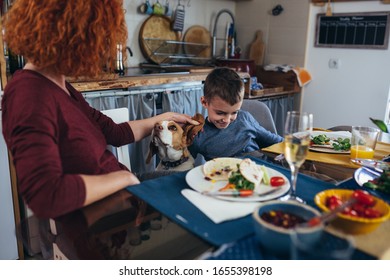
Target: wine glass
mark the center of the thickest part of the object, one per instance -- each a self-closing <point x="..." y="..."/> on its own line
<point x="296" y="144"/>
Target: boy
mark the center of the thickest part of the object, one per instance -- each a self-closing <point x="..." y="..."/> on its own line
<point x="228" y="132"/>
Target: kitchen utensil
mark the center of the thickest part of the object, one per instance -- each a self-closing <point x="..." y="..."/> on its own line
<point x="178" y="21"/>
<point x="328" y="216"/>
<point x="158" y="9"/>
<point x="146" y="8"/>
<point x="257" y="49"/>
<point x="168" y="9"/>
<point x="242" y="193"/>
<point x="198" y="47"/>
<point x="154" y="34"/>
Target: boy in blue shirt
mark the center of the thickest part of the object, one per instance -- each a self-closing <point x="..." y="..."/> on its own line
<point x="228" y="131"/>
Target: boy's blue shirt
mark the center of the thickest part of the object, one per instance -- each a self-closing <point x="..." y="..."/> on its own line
<point x="243" y="135"/>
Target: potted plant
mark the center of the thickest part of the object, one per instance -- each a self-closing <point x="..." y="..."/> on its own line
<point x="384" y="135"/>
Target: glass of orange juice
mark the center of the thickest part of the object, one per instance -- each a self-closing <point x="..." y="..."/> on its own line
<point x="363" y="142"/>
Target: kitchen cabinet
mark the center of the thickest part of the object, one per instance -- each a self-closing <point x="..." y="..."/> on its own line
<point x="148" y="101"/>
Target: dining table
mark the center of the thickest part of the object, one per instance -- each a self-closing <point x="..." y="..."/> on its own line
<point x="155" y="220"/>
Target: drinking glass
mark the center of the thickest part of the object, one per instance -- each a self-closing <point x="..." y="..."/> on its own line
<point x="327" y="247"/>
<point x="363" y="142"/>
<point x="296" y="144"/>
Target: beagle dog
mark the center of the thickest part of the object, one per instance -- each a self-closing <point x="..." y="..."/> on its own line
<point x="170" y="142"/>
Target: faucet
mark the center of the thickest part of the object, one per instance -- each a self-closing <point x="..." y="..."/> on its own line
<point x="215" y="28"/>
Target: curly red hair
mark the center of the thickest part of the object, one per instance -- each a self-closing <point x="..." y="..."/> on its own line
<point x="72" y="37"/>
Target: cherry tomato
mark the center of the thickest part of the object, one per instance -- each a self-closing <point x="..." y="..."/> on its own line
<point x="363" y="197"/>
<point x="359" y="208"/>
<point x="333" y="201"/>
<point x="277" y="181"/>
<point x="351" y="212"/>
<point x="372" y="213"/>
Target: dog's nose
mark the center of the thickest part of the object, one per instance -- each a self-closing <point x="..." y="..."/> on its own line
<point x="158" y="127"/>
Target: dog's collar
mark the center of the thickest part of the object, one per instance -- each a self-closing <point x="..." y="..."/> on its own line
<point x="170" y="164"/>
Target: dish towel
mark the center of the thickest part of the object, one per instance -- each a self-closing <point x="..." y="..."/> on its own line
<point x="303" y="76"/>
<point x="219" y="210"/>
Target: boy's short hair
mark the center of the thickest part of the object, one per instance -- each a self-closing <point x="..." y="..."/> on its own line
<point x="224" y="83"/>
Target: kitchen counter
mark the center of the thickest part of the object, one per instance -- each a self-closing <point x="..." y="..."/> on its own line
<point x="145" y="80"/>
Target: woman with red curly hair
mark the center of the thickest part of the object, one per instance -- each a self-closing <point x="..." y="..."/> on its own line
<point x="57" y="141"/>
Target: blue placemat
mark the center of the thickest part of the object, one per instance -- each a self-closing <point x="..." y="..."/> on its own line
<point x="249" y="249"/>
<point x="164" y="194"/>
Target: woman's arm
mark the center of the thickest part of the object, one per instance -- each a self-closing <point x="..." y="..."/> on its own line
<point x="143" y="128"/>
<point x="100" y="186"/>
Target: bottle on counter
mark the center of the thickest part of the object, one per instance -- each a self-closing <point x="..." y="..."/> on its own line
<point x="119" y="67"/>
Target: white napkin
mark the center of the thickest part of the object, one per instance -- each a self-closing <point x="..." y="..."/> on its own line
<point x="219" y="210"/>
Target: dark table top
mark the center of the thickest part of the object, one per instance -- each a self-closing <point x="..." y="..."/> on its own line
<point x="125" y="226"/>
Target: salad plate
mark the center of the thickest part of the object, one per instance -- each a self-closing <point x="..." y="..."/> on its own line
<point x="197" y="180"/>
<point x="363" y="175"/>
<point x="328" y="147"/>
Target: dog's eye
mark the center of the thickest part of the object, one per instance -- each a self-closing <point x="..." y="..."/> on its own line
<point x="172" y="127"/>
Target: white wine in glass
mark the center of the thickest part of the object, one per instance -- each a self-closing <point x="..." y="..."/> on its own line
<point x="296" y="144"/>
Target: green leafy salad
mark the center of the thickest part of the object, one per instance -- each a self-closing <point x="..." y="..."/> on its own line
<point x="339" y="144"/>
<point x="382" y="183"/>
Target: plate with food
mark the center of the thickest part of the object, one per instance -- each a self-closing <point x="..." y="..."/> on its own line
<point x="373" y="179"/>
<point x="236" y="179"/>
<point x="335" y="142"/>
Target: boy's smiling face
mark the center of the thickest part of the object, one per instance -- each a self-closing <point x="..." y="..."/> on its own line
<point x="220" y="112"/>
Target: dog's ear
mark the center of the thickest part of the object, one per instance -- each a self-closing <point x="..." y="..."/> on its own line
<point x="191" y="130"/>
<point x="152" y="150"/>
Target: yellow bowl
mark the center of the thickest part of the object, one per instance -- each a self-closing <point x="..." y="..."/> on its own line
<point x="349" y="224"/>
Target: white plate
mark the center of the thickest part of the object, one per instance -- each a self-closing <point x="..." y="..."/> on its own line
<point x="195" y="178"/>
<point x="331" y="135"/>
<point x="362" y="176"/>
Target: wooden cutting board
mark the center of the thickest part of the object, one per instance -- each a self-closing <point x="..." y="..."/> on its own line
<point x="198" y="35"/>
<point x="257" y="49"/>
<point x="154" y="34"/>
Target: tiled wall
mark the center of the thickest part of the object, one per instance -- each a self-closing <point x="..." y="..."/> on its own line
<point x="284" y="35"/>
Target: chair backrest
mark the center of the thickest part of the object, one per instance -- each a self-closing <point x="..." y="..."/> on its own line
<point x="120" y="115"/>
<point x="341" y="128"/>
<point x="261" y="113"/>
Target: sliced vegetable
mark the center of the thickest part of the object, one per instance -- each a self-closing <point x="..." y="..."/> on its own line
<point x="266" y="179"/>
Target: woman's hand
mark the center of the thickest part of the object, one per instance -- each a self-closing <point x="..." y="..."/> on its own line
<point x="101" y="186"/>
<point x="143" y="128"/>
<point x="181" y="119"/>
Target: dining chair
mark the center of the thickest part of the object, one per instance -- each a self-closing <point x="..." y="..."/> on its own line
<point x="118" y="115"/>
<point x="261" y="113"/>
<point x="341" y="128"/>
